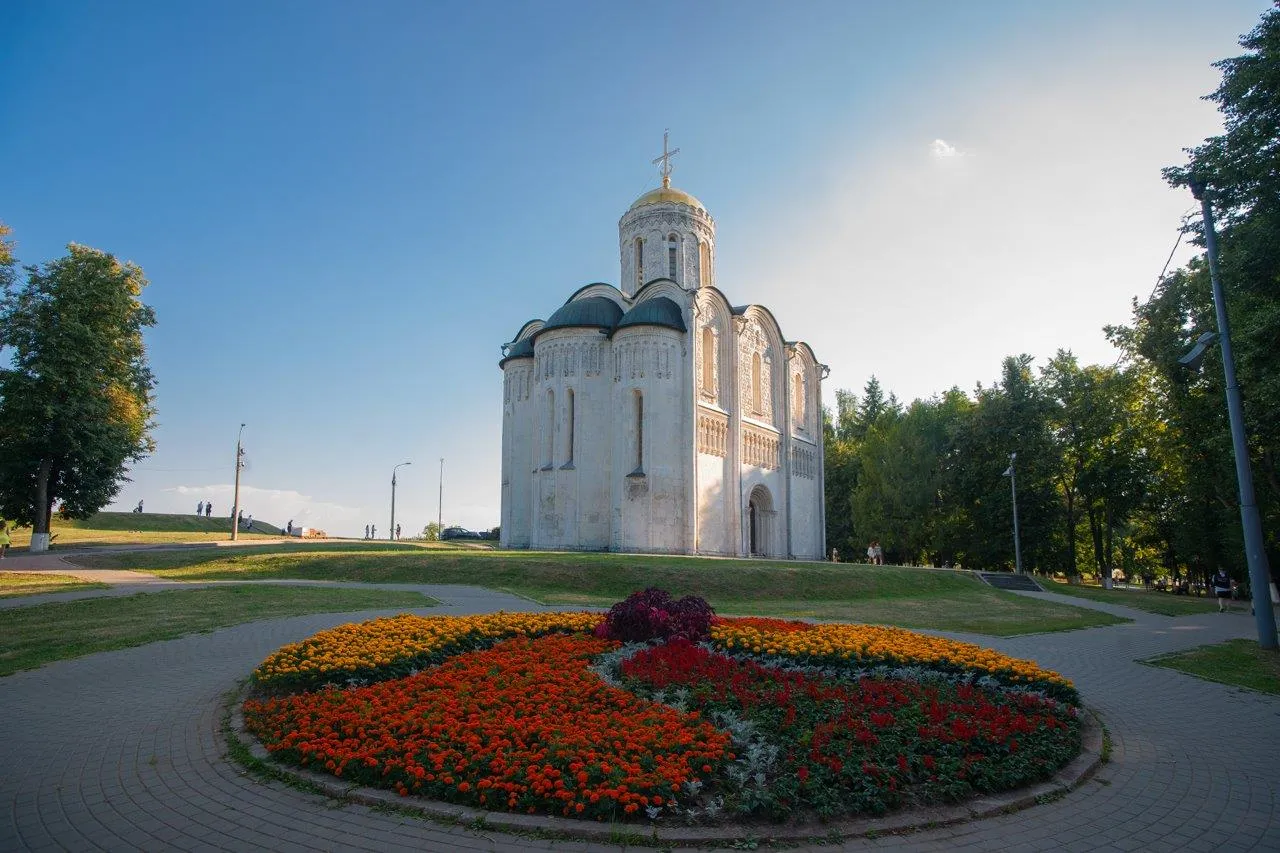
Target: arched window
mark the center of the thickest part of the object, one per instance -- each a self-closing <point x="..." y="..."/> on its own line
<point x="639" y="433"/>
<point x="757" y="395"/>
<point x="704" y="263"/>
<point x="549" y="440"/>
<point x="569" y="424"/>
<point x="673" y="244"/>
<point x="639" y="261"/>
<point x="797" y="395"/>
<point x="709" y="362"/>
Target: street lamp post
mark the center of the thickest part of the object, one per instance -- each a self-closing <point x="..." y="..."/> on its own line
<point x="1013" y="490"/>
<point x="235" y="506"/>
<point x="391" y="532"/>
<point x="1255" y="550"/>
<point x="440" y="505"/>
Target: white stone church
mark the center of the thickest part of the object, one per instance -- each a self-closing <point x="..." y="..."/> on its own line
<point x="659" y="417"/>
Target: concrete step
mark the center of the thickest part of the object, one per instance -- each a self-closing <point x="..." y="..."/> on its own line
<point x="1008" y="580"/>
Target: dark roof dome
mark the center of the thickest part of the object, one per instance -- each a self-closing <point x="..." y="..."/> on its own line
<point x="520" y="349"/>
<point x="658" y="311"/>
<point x="597" y="312"/>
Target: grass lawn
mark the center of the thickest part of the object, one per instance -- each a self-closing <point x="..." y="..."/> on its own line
<point x="916" y="598"/>
<point x="1164" y="603"/>
<point x="29" y="583"/>
<point x="34" y="636"/>
<point x="1237" y="662"/>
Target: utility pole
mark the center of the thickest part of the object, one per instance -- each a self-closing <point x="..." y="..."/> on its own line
<point x="235" y="507"/>
<point x="1254" y="548"/>
<point x="391" y="531"/>
<point x="440" y="505"/>
<point x="1013" y="488"/>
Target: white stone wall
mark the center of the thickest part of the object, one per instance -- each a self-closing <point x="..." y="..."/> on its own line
<point x="517" y="456"/>
<point x="649" y="485"/>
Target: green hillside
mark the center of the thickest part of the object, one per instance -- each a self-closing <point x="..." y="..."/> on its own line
<point x="140" y="528"/>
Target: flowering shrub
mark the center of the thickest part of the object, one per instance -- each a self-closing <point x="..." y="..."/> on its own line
<point x="522" y="726"/>
<point x="864" y="746"/>
<point x="652" y="615"/>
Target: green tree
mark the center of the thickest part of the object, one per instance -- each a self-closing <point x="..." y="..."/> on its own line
<point x="75" y="403"/>
<point x="1242" y="170"/>
<point x="431" y="532"/>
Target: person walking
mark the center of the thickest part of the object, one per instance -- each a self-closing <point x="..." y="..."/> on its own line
<point x="4" y="537"/>
<point x="290" y="533"/>
<point x="200" y="509"/>
<point x="366" y="531"/>
<point x="373" y="531"/>
<point x="1221" y="584"/>
<point x="208" y="509"/>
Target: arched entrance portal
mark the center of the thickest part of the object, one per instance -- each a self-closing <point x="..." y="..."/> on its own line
<point x="759" y="522"/>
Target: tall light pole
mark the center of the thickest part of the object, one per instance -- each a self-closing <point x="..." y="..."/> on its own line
<point x="1254" y="548"/>
<point x="235" y="506"/>
<point x="1013" y="490"/>
<point x="440" y="505"/>
<point x="391" y="532"/>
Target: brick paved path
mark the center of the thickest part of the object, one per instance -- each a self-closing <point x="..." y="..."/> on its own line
<point x="122" y="751"/>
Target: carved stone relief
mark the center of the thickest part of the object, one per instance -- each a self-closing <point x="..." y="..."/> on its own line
<point x="713" y="434"/>
<point x="760" y="448"/>
<point x="752" y="341"/>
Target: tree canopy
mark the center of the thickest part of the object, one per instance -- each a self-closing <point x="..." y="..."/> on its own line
<point x="75" y="401"/>
<point x="1125" y="466"/>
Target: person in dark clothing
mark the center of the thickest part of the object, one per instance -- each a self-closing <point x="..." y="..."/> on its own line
<point x="1221" y="584"/>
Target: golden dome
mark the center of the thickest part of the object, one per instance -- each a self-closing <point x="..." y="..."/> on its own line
<point x="667" y="195"/>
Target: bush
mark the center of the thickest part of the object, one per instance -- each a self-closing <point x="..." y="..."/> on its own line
<point x="652" y="615"/>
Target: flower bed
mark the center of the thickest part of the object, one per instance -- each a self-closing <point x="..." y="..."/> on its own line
<point x="553" y="714"/>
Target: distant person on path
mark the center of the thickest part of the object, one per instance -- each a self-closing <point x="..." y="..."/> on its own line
<point x="138" y="508"/>
<point x="875" y="554"/>
<point x="397" y="531"/>
<point x="1221" y="584"/>
<point x="208" y="509"/>
<point x="290" y="530"/>
<point x="248" y="522"/>
<point x="200" y="508"/>
<point x="4" y="537"/>
<point x="373" y="531"/>
<point x="366" y="531"/>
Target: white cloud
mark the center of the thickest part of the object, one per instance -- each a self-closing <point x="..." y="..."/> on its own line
<point x="943" y="148"/>
<point x="274" y="506"/>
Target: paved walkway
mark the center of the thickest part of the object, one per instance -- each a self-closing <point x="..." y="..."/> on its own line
<point x="122" y="751"/>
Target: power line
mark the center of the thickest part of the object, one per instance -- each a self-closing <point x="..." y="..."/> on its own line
<point x="1182" y="232"/>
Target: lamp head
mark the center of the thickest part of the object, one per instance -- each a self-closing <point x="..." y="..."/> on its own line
<point x="1193" y="359"/>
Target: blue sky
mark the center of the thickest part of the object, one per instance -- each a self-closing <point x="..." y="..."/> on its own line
<point x="344" y="209"/>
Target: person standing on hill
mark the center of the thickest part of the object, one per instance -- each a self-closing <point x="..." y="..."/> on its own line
<point x="200" y="509"/>
<point x="397" y="531"/>
<point x="208" y="509"/>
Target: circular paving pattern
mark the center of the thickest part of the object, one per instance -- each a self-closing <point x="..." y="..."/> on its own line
<point x="124" y="751"/>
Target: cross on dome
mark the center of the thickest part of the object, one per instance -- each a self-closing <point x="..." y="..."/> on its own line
<point x="665" y="159"/>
